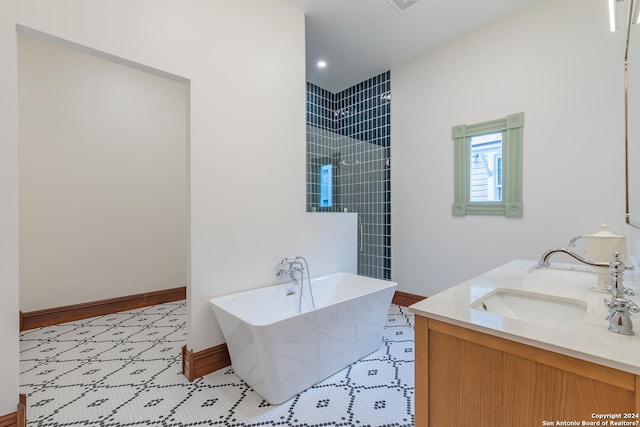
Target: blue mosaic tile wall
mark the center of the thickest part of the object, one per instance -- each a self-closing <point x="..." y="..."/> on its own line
<point x="351" y="130"/>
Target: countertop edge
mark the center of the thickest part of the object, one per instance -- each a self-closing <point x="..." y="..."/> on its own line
<point x="445" y="307"/>
<point x="530" y="342"/>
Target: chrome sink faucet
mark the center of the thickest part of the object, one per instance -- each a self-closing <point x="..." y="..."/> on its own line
<point x="620" y="307"/>
<point x="544" y="259"/>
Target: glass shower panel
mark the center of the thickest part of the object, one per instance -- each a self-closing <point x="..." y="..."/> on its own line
<point x="348" y="134"/>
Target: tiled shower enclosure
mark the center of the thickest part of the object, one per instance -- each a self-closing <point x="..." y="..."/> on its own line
<point x="349" y="164"/>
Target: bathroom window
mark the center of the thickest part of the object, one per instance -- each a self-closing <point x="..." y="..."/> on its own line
<point x="485" y="175"/>
<point x="488" y="167"/>
<point x="497" y="167"/>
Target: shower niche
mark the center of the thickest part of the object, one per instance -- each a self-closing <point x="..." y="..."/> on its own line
<point x="324" y="183"/>
<point x="348" y="164"/>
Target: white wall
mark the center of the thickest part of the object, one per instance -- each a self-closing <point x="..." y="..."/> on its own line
<point x="8" y="211"/>
<point x="102" y="176"/>
<point x="559" y="64"/>
<point x="245" y="64"/>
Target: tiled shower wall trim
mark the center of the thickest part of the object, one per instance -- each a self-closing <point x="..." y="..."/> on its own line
<point x="352" y="130"/>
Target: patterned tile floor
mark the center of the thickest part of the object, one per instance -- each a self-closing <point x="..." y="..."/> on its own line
<point x="124" y="370"/>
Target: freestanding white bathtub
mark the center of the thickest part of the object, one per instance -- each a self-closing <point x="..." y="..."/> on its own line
<point x="280" y="352"/>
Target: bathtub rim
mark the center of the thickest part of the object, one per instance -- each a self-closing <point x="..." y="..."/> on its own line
<point x="213" y="301"/>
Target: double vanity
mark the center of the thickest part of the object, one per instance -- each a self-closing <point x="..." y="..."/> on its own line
<point x="525" y="345"/>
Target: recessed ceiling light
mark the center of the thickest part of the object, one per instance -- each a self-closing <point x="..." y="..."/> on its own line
<point x="322" y="64"/>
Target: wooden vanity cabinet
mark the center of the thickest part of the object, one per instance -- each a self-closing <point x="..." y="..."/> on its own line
<point x="468" y="378"/>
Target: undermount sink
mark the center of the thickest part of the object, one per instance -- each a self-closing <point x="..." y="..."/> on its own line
<point x="534" y="308"/>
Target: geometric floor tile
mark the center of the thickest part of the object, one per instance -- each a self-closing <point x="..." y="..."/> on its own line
<point x="124" y="370"/>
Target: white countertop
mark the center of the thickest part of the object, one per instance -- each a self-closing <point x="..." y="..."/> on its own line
<point x="592" y="342"/>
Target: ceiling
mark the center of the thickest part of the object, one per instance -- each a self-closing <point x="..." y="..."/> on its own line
<point x="362" y="38"/>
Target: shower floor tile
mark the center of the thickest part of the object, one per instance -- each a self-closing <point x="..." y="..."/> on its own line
<point x="124" y="370"/>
